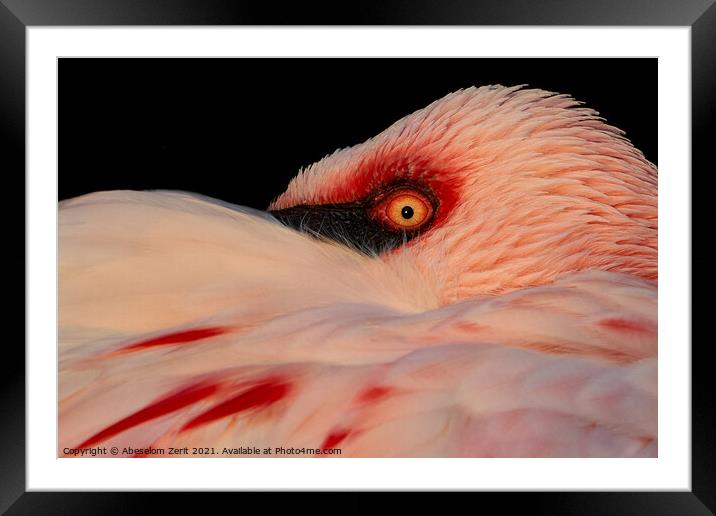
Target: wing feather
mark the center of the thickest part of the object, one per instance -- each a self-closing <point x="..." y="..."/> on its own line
<point x="198" y="324"/>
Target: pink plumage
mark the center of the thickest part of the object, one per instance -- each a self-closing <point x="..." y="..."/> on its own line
<point x="509" y="309"/>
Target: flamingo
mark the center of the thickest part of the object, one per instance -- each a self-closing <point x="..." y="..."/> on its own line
<point x="478" y="280"/>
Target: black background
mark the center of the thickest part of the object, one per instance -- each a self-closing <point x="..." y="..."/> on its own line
<point x="239" y="129"/>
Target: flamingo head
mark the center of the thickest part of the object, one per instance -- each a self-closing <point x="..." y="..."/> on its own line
<point x="485" y="191"/>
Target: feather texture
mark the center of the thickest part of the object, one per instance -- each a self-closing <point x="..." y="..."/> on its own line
<point x="567" y="369"/>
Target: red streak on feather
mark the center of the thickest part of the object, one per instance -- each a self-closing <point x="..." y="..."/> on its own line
<point x="626" y="325"/>
<point x="262" y="395"/>
<point x="159" y="408"/>
<point x="335" y="438"/>
<point x="174" y="338"/>
<point x="469" y="326"/>
<point x="373" y="394"/>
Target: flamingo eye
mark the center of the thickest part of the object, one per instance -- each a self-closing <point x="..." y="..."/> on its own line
<point x="406" y="209"/>
<point x="385" y="220"/>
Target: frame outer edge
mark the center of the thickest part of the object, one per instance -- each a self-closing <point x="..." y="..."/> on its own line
<point x="12" y="142"/>
<point x="386" y="12"/>
<point x="12" y="127"/>
<point x="703" y="112"/>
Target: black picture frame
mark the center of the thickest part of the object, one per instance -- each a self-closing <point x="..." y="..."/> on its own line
<point x="17" y="15"/>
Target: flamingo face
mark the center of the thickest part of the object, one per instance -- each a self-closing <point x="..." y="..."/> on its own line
<point x="480" y="279"/>
<point x="387" y="218"/>
<point x="516" y="187"/>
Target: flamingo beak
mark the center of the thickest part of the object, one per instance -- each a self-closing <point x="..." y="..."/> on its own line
<point x="348" y="224"/>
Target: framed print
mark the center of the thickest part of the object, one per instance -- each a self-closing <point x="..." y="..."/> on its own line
<point x="375" y="257"/>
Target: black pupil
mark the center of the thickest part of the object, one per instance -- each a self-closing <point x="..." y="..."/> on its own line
<point x="407" y="212"/>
